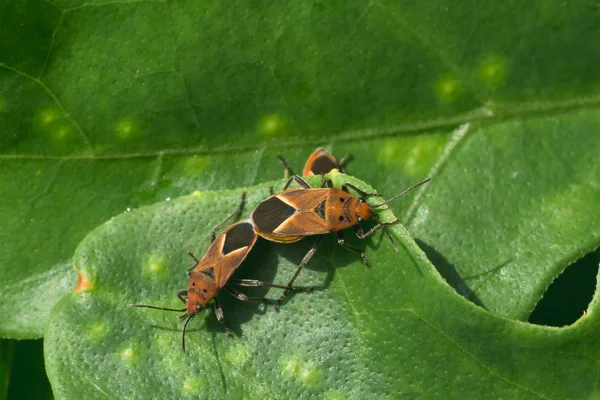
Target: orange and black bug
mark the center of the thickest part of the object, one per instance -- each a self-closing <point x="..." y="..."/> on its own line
<point x="209" y="275"/>
<point x="320" y="162"/>
<point x="293" y="214"/>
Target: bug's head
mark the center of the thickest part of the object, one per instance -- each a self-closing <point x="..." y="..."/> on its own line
<point x="201" y="290"/>
<point x="363" y="210"/>
<point x="193" y="303"/>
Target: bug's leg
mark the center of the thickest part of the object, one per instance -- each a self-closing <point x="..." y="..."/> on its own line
<point x="193" y="266"/>
<point x="361" y="235"/>
<point x="193" y="257"/>
<point x="342" y="242"/>
<point x="345" y="187"/>
<point x="242" y="297"/>
<point x="221" y="317"/>
<point x="233" y="214"/>
<point x="298" y="180"/>
<point x="305" y="260"/>
<point x="257" y="283"/>
<point x="271" y="191"/>
<point x="326" y="182"/>
<point x="371" y="232"/>
<point x="287" y="171"/>
<point x="343" y="161"/>
<point x="182" y="293"/>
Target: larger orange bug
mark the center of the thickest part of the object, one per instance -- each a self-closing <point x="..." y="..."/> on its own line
<point x="292" y="214"/>
<point x="213" y="272"/>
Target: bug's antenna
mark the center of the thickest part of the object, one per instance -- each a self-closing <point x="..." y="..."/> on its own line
<point x="416" y="185"/>
<point x="183" y="334"/>
<point x="156" y="308"/>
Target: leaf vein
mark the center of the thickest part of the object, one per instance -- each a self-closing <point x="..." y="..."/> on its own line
<point x="51" y="47"/>
<point x="67" y="115"/>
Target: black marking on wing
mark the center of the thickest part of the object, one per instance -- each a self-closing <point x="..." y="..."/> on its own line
<point x="322" y="165"/>
<point x="239" y="236"/>
<point x="210" y="272"/>
<point x="271" y="213"/>
<point x="320" y="210"/>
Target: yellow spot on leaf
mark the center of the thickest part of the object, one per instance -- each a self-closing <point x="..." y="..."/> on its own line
<point x="196" y="163"/>
<point x="124" y="129"/>
<point x="291" y="365"/>
<point x="423" y="153"/>
<point x="192" y="386"/>
<point x="98" y="331"/>
<point x="449" y="89"/>
<point x="238" y="354"/>
<point x="155" y="266"/>
<point x="127" y="354"/>
<point x="304" y="372"/>
<point x="272" y="125"/>
<point x="390" y="153"/>
<point x="61" y="133"/>
<point x="49" y="116"/>
<point x="492" y="71"/>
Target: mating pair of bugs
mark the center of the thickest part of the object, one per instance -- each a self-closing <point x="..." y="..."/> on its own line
<point x="285" y="217"/>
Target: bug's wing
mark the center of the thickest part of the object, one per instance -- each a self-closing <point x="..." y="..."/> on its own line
<point x="277" y="209"/>
<point x="212" y="255"/>
<point x="229" y="263"/>
<point x="303" y="199"/>
<point x="237" y="240"/>
<point x="304" y="223"/>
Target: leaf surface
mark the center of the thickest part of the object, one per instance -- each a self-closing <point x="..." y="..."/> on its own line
<point x="396" y="330"/>
<point x="513" y="206"/>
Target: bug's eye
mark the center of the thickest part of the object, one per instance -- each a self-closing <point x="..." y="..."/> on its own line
<point x="341" y="217"/>
<point x="341" y="199"/>
<point x="197" y="307"/>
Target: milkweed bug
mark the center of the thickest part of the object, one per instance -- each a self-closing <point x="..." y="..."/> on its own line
<point x="292" y="214"/>
<point x="209" y="275"/>
<point x="320" y="162"/>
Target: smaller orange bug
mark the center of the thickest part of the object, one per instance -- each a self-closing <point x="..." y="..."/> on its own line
<point x="319" y="162"/>
<point x="292" y="214"/>
<point x="209" y="275"/>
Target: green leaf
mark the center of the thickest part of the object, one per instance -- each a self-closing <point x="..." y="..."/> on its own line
<point x="395" y="330"/>
<point x="512" y="207"/>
